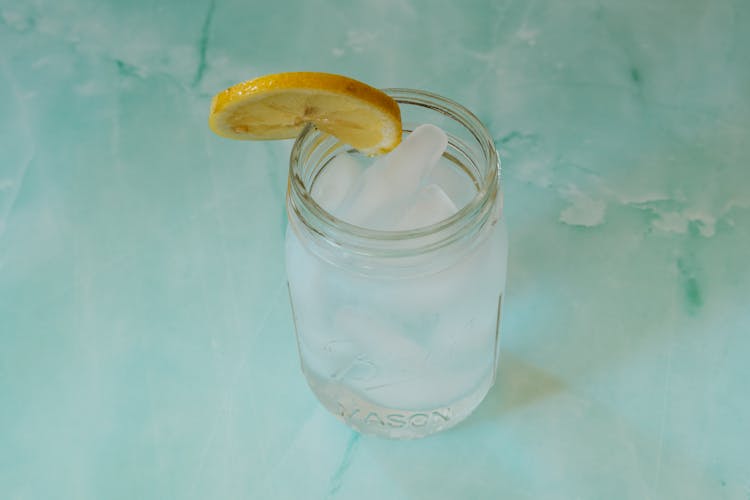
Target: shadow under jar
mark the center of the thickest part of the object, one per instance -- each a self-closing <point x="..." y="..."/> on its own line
<point x="398" y="330"/>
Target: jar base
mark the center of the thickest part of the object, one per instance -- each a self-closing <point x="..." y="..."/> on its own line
<point x="369" y="418"/>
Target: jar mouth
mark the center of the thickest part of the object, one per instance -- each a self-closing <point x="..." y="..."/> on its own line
<point x="326" y="224"/>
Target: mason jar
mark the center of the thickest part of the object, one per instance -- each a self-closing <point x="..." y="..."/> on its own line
<point x="398" y="330"/>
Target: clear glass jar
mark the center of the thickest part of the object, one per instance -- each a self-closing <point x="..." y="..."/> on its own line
<point x="398" y="330"/>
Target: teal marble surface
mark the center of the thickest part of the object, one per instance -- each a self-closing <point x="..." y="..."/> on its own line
<point x="146" y="342"/>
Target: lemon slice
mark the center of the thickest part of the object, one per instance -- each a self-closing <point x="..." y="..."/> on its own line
<point x="278" y="106"/>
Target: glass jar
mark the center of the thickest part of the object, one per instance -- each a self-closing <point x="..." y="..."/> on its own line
<point x="398" y="330"/>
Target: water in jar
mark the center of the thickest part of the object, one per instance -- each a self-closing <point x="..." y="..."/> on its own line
<point x="399" y="354"/>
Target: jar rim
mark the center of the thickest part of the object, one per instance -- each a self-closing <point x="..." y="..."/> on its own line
<point x="330" y="224"/>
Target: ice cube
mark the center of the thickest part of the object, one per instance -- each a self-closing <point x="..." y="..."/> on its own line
<point x="382" y="341"/>
<point x="457" y="184"/>
<point x="394" y="178"/>
<point x="335" y="181"/>
<point x="432" y="386"/>
<point x="431" y="205"/>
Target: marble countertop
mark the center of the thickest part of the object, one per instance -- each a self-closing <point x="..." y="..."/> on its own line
<point x="146" y="342"/>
